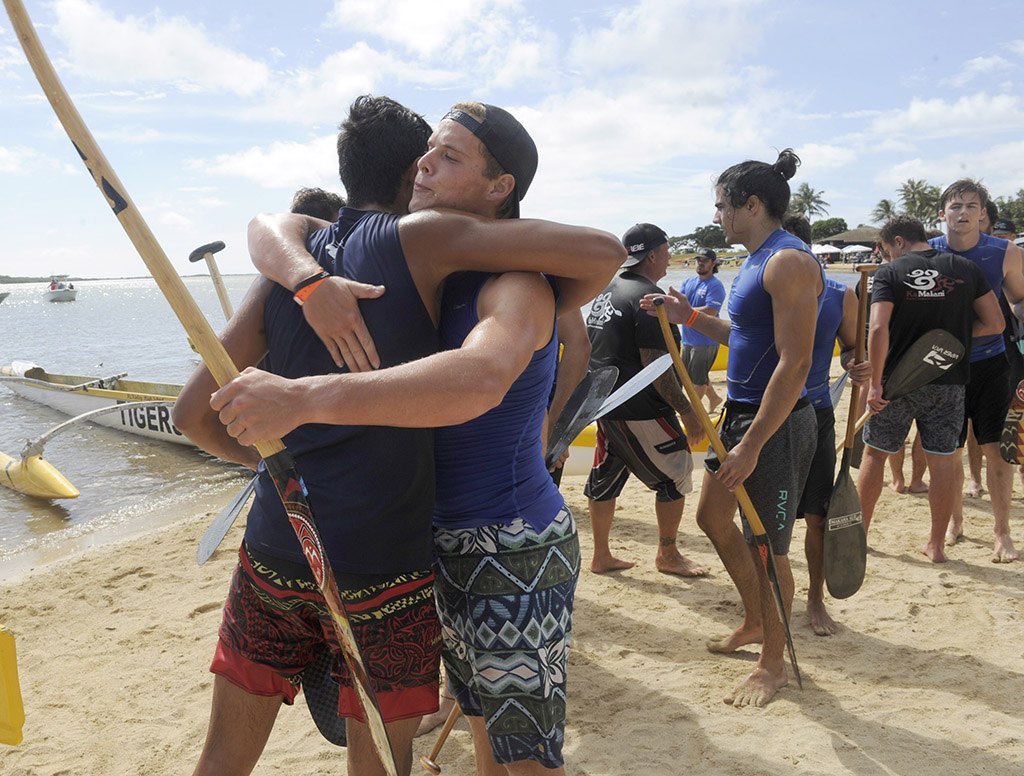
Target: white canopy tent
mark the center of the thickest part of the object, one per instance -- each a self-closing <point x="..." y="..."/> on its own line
<point x="857" y="249"/>
<point x="824" y="249"/>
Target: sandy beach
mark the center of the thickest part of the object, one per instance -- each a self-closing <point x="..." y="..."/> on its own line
<point x="923" y="677"/>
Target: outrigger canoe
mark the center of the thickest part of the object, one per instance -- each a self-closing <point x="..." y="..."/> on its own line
<point x="77" y="394"/>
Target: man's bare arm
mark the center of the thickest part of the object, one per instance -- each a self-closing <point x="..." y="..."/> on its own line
<point x="447" y="388"/>
<point x="989" y="316"/>
<point x="860" y="372"/>
<point x="439" y="242"/>
<point x="572" y="366"/>
<point x="678" y="309"/>
<point x="1013" y="278"/>
<point x="878" y="344"/>
<point x="246" y="343"/>
<point x="668" y="387"/>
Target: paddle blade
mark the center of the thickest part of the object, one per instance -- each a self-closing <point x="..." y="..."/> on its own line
<point x="1011" y="443"/>
<point x="933" y="354"/>
<point x="845" y="544"/>
<point x="321" y="690"/>
<point x="580" y="410"/>
<point x="218" y="529"/>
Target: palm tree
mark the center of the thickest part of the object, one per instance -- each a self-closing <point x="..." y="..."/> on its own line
<point x="920" y="200"/>
<point x="883" y="211"/>
<point x="808" y="202"/>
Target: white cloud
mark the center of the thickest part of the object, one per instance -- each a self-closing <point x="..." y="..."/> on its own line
<point x="979" y="66"/>
<point x="152" y="48"/>
<point x="423" y="28"/>
<point x="1017" y="47"/>
<point x="937" y="118"/>
<point x="279" y="165"/>
<point x="12" y="160"/>
<point x="174" y="221"/>
<point x="816" y="156"/>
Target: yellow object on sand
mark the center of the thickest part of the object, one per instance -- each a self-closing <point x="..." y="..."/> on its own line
<point x="12" y="712"/>
<point x="35" y="477"/>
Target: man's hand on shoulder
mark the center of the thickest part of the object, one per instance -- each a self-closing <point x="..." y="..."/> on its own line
<point x="332" y="310"/>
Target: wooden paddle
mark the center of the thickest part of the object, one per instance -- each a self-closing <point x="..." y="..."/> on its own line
<point x="206" y="252"/>
<point x="761" y="540"/>
<point x="845" y="543"/>
<point x="279" y="462"/>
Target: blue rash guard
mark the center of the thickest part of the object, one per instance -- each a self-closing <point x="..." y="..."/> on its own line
<point x="490" y="470"/>
<point x="829" y="317"/>
<point x="371" y="487"/>
<point x="987" y="254"/>
<point x="752" y="353"/>
<point x="701" y="293"/>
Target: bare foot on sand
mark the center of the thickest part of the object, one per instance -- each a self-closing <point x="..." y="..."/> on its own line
<point x="671" y="561"/>
<point x="898" y="486"/>
<point x="918" y="487"/>
<point x="1004" y="551"/>
<point x="740" y="637"/>
<point x="973" y="489"/>
<point x="935" y="553"/>
<point x="431" y="721"/>
<point x="758" y="688"/>
<point x="606" y="563"/>
<point x="821" y="623"/>
<point x="954" y="533"/>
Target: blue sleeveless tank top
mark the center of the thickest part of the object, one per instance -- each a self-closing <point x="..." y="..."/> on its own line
<point x="371" y="488"/>
<point x="752" y="353"/>
<point x="491" y="469"/>
<point x="987" y="254"/>
<point x="829" y="318"/>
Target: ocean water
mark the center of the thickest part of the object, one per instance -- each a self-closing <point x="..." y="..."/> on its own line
<point x="114" y="326"/>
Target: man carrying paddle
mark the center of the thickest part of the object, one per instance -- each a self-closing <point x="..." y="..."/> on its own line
<point x="988" y="392"/>
<point x="769" y="428"/>
<point x="643" y="435"/>
<point x="376" y="484"/>
<point x="921" y="289"/>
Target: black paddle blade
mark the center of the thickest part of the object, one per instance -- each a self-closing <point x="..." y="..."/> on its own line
<point x="322" y="690"/>
<point x="845" y="544"/>
<point x="1011" y="443"/>
<point x="580" y="410"/>
<point x="933" y="354"/>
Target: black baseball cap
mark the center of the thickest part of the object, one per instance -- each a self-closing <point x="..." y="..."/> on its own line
<point x="1004" y="226"/>
<point x="641" y="238"/>
<point x="707" y="254"/>
<point x="509" y="143"/>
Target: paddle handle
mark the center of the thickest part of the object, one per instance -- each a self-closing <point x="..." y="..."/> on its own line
<point x="702" y="414"/>
<point x="218" y="283"/>
<point x="184" y="306"/>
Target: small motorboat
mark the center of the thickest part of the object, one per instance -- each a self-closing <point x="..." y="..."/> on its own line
<point x="61" y="289"/>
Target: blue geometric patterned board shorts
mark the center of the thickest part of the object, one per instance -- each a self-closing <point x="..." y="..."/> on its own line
<point x="505" y="597"/>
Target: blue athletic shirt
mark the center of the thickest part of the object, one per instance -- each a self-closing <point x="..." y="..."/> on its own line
<point x="371" y="487"/>
<point x="702" y="293"/>
<point x="829" y="317"/>
<point x="987" y="254"/>
<point x="491" y="469"/>
<point x="752" y="353"/>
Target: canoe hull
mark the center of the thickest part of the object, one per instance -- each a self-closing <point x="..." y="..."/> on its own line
<point x="56" y="391"/>
<point x="35" y="477"/>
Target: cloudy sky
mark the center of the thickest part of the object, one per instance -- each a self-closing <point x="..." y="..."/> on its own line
<point x="213" y="111"/>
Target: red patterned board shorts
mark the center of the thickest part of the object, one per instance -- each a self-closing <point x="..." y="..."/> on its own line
<point x="276" y="623"/>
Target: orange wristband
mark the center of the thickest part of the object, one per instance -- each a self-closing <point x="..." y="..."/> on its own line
<point x="692" y="318"/>
<point x="306" y="287"/>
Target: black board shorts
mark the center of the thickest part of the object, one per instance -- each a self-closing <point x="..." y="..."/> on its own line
<point x="777" y="482"/>
<point x="987" y="400"/>
<point x="821" y="478"/>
